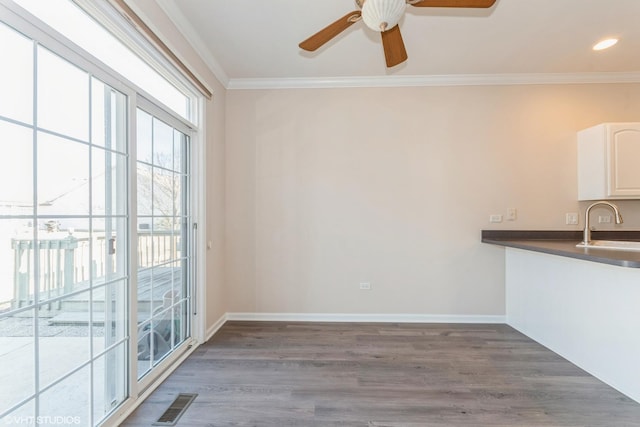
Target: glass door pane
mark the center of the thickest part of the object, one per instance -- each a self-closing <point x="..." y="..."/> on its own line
<point x="110" y="232"/>
<point x="163" y="256"/>
<point x="16" y="76"/>
<point x="63" y="241"/>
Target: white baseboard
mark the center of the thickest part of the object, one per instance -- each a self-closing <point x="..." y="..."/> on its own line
<point x="215" y="327"/>
<point x="366" y="318"/>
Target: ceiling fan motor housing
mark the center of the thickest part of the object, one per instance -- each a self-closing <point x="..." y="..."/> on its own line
<point x="382" y="15"/>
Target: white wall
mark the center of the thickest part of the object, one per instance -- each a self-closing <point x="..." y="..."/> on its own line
<point x="310" y="192"/>
<point x="214" y="119"/>
<point x="326" y="188"/>
<point x="585" y="311"/>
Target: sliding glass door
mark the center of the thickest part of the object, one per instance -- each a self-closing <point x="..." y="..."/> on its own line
<point x="163" y="255"/>
<point x="63" y="239"/>
<point x="96" y="223"/>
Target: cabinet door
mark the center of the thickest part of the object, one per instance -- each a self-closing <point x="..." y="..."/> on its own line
<point x="624" y="160"/>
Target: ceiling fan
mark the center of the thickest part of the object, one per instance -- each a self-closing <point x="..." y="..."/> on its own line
<point x="383" y="16"/>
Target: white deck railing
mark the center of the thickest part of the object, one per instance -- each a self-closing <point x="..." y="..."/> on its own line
<point x="67" y="261"/>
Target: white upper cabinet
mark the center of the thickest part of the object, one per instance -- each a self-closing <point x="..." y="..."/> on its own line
<point x="609" y="162"/>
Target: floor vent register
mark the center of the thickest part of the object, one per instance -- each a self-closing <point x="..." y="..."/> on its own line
<point x="173" y="413"/>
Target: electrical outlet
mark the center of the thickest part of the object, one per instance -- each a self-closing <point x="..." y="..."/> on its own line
<point x="495" y="218"/>
<point x="571" y="218"/>
<point x="604" y="219"/>
<point x="512" y="214"/>
<point x="365" y="286"/>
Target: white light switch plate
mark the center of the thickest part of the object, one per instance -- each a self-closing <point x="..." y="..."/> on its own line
<point x="604" y="219"/>
<point x="571" y="218"/>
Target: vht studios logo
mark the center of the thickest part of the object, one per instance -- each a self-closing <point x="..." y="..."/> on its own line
<point x="43" y="420"/>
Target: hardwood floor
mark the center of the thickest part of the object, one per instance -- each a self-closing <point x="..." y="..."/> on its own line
<point x="391" y="375"/>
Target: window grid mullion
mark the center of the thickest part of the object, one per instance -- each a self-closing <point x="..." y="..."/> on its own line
<point x="36" y="251"/>
<point x="90" y="326"/>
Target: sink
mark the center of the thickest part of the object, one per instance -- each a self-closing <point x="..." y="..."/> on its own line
<point x="619" y="245"/>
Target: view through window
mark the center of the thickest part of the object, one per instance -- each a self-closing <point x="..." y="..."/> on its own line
<point x="69" y="245"/>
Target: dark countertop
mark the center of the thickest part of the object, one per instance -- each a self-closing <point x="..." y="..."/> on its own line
<point x="563" y="243"/>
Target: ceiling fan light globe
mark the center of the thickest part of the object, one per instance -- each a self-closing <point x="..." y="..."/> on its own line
<point x="382" y="15"/>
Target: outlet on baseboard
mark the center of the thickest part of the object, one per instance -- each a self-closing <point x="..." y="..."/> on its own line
<point x="365" y="286"/>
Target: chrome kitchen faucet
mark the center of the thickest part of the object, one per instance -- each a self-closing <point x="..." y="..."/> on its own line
<point x="586" y="238"/>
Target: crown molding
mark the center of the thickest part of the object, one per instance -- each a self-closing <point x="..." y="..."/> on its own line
<point x="434" y="80"/>
<point x="171" y="8"/>
<point x="176" y="16"/>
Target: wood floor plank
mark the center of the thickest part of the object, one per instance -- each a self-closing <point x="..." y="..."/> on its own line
<point x="383" y="375"/>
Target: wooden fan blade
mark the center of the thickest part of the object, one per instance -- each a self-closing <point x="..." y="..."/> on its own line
<point x="394" y="51"/>
<point x="329" y="32"/>
<point x="454" y="3"/>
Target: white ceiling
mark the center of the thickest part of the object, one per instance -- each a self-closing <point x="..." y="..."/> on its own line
<point x="258" y="39"/>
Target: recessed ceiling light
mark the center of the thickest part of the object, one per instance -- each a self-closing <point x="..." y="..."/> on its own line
<point x="604" y="44"/>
